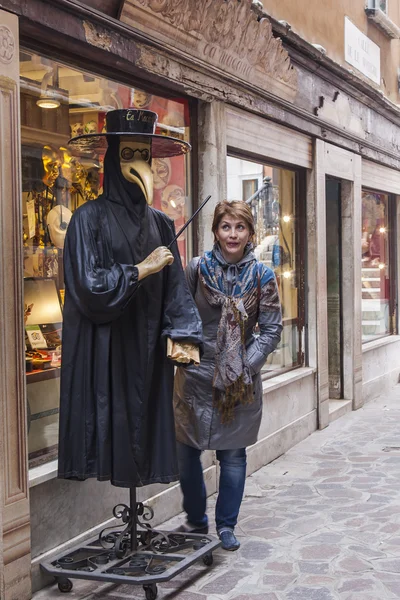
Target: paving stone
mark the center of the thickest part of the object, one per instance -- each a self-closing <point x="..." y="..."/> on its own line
<point x="280" y="567"/>
<point x="319" y="552"/>
<point x="262" y="523"/>
<point x="319" y="580"/>
<point x="356" y="585"/>
<point x="181" y="595"/>
<point x="308" y="593"/>
<point x="265" y="596"/>
<point x="367" y="551"/>
<point x="393" y="587"/>
<point x="328" y="537"/>
<point x="256" y="550"/>
<point x="313" y="567"/>
<point x="393" y="566"/>
<point x="298" y="490"/>
<point x="354" y="564"/>
<point x="270" y="534"/>
<point x="279" y="582"/>
<point x="224" y="583"/>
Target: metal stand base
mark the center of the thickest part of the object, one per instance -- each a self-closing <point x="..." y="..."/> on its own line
<point x="138" y="555"/>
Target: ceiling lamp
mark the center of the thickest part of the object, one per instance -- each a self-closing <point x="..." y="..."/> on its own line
<point x="47" y="98"/>
<point x="47" y="102"/>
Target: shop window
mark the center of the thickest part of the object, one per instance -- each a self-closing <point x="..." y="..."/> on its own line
<point x="383" y="5"/>
<point x="273" y="201"/>
<point x="249" y="187"/>
<point x="376" y="266"/>
<point x="58" y="102"/>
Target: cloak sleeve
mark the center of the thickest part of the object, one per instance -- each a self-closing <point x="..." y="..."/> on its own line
<point x="192" y="276"/>
<point x="99" y="287"/>
<point x="269" y="323"/>
<point x="181" y="320"/>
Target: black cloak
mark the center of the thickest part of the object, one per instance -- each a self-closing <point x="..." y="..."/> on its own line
<point x="116" y="414"/>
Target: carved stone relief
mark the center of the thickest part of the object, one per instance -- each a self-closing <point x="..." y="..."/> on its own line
<point x="223" y="34"/>
<point x="7" y="44"/>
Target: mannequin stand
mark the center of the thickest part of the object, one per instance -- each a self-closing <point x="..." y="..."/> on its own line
<point x="137" y="555"/>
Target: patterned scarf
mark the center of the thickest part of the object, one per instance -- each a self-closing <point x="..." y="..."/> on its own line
<point x="234" y="288"/>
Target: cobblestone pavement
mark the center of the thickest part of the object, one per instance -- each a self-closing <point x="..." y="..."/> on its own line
<point x="321" y="522"/>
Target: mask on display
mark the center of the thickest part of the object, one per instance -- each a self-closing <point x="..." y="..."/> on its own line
<point x="66" y="166"/>
<point x="77" y="129"/>
<point x="57" y="223"/>
<point x="91" y="127"/>
<point x="52" y="164"/>
<point x="135" y="161"/>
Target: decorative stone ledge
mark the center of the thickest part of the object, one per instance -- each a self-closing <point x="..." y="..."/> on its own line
<point x="270" y="385"/>
<point x="385" y="341"/>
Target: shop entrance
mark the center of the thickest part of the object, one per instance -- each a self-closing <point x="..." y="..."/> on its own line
<point x="334" y="287"/>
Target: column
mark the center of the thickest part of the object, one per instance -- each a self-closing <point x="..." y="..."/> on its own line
<point x="15" y="561"/>
<point x="212" y="166"/>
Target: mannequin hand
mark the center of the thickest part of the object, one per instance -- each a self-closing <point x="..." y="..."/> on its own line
<point x="183" y="353"/>
<point x="155" y="262"/>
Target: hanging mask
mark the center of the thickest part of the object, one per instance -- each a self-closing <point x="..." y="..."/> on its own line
<point x="66" y="166"/>
<point x="51" y="163"/>
<point x="57" y="223"/>
<point x="78" y="172"/>
<point x="135" y="161"/>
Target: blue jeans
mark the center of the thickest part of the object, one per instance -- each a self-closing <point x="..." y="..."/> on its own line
<point x="231" y="486"/>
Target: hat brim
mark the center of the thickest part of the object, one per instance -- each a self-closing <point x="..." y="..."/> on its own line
<point x="162" y="146"/>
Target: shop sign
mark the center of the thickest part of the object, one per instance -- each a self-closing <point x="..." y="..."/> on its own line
<point x="222" y="34"/>
<point x="361" y="52"/>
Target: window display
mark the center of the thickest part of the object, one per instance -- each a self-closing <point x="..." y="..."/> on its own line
<point x="376" y="268"/>
<point x="270" y="191"/>
<point x="59" y="102"/>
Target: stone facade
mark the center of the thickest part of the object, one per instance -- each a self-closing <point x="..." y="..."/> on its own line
<point x="279" y="98"/>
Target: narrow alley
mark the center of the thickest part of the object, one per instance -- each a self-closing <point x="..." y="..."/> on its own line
<point x="321" y="522"/>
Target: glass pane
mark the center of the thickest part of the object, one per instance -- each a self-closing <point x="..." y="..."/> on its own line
<point x="375" y="266"/>
<point x="57" y="102"/>
<point x="383" y="5"/>
<point x="271" y="193"/>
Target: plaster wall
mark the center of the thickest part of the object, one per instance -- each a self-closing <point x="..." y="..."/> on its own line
<point x="326" y="27"/>
<point x="289" y="416"/>
<point x="381" y="366"/>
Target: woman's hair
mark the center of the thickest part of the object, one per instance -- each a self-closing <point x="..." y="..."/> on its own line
<point x="235" y="209"/>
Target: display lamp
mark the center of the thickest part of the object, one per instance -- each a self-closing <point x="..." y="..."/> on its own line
<point x="47" y="99"/>
<point x="287" y="218"/>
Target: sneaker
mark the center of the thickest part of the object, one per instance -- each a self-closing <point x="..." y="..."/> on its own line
<point x="228" y="539"/>
<point x="189" y="528"/>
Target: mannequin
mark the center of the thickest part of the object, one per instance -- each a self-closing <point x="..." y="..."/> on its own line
<point x="126" y="299"/>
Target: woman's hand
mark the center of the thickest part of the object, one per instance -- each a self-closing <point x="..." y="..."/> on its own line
<point x="155" y="262"/>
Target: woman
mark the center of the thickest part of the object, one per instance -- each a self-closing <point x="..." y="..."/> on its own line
<point x="218" y="404"/>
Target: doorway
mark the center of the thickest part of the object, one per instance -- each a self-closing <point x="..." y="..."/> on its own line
<point x="334" y="286"/>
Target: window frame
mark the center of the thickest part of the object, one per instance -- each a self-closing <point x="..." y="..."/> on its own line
<point x="100" y="71"/>
<point x="300" y="253"/>
<point x="393" y="264"/>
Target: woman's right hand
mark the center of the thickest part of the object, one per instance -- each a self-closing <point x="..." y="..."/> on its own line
<point x="155" y="262"/>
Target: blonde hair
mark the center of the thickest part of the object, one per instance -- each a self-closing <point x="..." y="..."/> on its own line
<point x="237" y="209"/>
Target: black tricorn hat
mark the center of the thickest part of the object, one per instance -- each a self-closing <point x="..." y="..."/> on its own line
<point x="132" y="122"/>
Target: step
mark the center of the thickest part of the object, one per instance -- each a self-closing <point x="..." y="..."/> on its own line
<point x="338" y="408"/>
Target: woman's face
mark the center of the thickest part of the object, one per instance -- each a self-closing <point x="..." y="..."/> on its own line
<point x="232" y="235"/>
